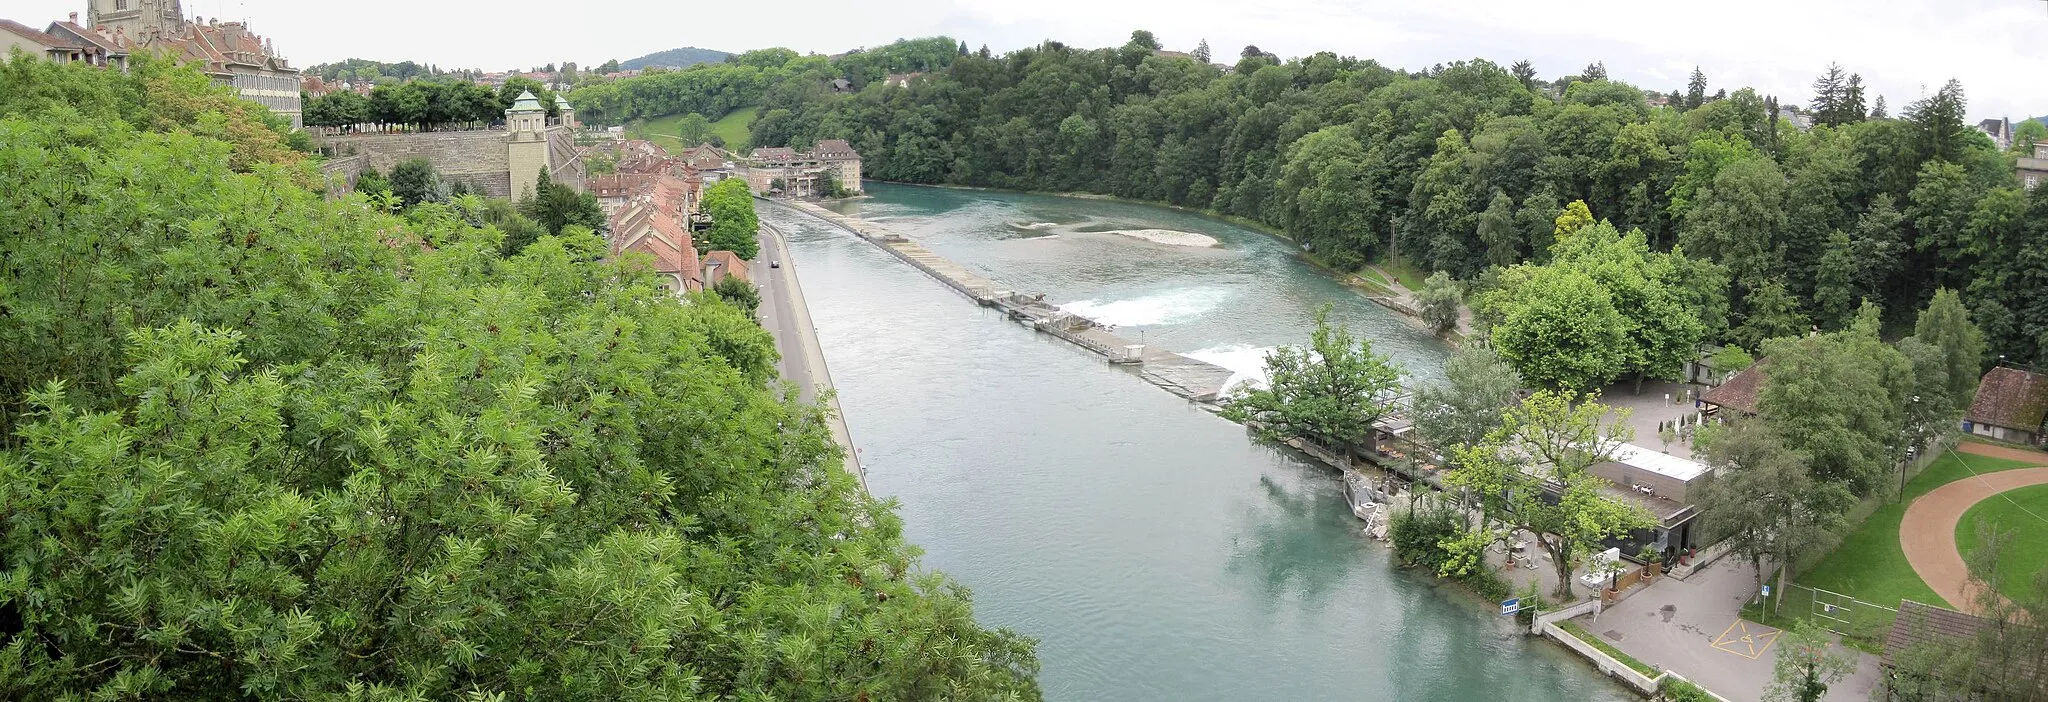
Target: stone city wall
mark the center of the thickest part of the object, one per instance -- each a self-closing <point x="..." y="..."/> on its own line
<point x="476" y="158"/>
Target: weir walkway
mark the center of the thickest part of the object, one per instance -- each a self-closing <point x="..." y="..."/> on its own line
<point x="1189" y="378"/>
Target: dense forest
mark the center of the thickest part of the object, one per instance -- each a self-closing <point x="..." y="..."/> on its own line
<point x="256" y="443"/>
<point x="1461" y="168"/>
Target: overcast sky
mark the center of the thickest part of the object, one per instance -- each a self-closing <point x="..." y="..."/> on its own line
<point x="1903" y="48"/>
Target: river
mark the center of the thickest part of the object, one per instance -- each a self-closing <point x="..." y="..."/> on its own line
<point x="1150" y="547"/>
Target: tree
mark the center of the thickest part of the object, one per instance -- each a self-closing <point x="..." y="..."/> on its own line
<point x="1945" y="324"/>
<point x="1696" y="90"/>
<point x="1764" y="503"/>
<point x="1838" y="286"/>
<point x="1535" y="473"/>
<point x="608" y="67"/>
<point x="1502" y="240"/>
<point x="739" y="293"/>
<point x="1575" y="216"/>
<point x="1201" y="52"/>
<point x="1772" y="314"/>
<point x="266" y="445"/>
<point x="1806" y="664"/>
<point x="1930" y="411"/>
<point x="1939" y="131"/>
<point x="1877" y="110"/>
<point x="1442" y="300"/>
<point x="1648" y="290"/>
<point x="415" y="181"/>
<point x="1524" y="72"/>
<point x="1327" y="200"/>
<point x="557" y="207"/>
<point x="1840" y="399"/>
<point x="1558" y="327"/>
<point x="1837" y="97"/>
<point x="1594" y="71"/>
<point x="1330" y="393"/>
<point x="2025" y="134"/>
<point x="1478" y="389"/>
<point x="734" y="223"/>
<point x="694" y="129"/>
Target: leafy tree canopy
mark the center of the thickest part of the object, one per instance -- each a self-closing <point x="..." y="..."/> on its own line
<point x="259" y="444"/>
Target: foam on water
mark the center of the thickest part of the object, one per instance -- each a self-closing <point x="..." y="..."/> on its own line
<point x="1164" y="308"/>
<point x="1169" y="237"/>
<point x="1034" y="225"/>
<point x="1246" y="363"/>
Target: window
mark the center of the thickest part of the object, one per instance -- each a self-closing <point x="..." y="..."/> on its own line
<point x="120" y="4"/>
<point x="2032" y="179"/>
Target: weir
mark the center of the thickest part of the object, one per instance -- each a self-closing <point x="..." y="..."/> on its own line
<point x="1186" y="377"/>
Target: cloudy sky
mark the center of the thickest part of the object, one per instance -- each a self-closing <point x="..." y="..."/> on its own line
<point x="1903" y="48"/>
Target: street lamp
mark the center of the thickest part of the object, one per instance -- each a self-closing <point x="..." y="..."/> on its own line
<point x="1912" y="443"/>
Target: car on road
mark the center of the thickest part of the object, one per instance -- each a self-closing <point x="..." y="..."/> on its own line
<point x="774" y="264"/>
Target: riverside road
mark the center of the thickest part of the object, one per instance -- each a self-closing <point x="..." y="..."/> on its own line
<point x="786" y="317"/>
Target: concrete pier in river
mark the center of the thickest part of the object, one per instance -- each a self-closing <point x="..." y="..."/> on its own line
<point x="1196" y="380"/>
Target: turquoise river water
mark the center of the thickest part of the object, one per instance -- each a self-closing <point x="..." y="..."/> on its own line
<point x="1150" y="547"/>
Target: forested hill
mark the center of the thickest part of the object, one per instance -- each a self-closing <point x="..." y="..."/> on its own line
<point x="1462" y="167"/>
<point x="259" y="444"/>
<point x="675" y="58"/>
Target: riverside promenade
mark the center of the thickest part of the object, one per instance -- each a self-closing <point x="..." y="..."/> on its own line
<point x="1186" y="377"/>
<point x="802" y="364"/>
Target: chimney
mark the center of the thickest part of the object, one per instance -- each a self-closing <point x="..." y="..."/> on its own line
<point x="74" y="18"/>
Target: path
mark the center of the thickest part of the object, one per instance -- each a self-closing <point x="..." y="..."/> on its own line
<point x="1928" y="532"/>
<point x="787" y="319"/>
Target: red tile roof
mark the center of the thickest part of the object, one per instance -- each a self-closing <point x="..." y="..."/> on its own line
<point x="656" y="222"/>
<point x="731" y="263"/>
<point x="1740" y="392"/>
<point x="2010" y="397"/>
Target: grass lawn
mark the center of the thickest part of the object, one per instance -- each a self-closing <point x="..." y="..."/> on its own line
<point x="1869" y="565"/>
<point x="2028" y="552"/>
<point x="1407" y="273"/>
<point x="662" y="130"/>
<point x="1373" y="274"/>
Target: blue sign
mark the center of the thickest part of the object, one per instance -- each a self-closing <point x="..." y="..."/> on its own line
<point x="1767" y="591"/>
<point x="1512" y="606"/>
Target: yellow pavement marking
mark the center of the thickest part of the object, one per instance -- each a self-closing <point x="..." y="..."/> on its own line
<point x="1746" y="639"/>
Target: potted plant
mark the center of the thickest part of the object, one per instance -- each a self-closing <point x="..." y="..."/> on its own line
<point x="1653" y="562"/>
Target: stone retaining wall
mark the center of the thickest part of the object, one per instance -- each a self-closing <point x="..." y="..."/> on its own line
<point x="478" y="159"/>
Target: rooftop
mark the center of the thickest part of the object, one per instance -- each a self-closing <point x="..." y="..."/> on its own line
<point x="1927" y="625"/>
<point x="1666" y="511"/>
<point x="2010" y="397"/>
<point x="1663" y="464"/>
<point x="1740" y="392"/>
<point x="37" y="36"/>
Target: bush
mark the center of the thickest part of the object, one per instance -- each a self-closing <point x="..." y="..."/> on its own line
<point x="1418" y="533"/>
<point x="1675" y="690"/>
<point x="1433" y="535"/>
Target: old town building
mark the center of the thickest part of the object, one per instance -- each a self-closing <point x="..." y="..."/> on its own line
<point x="227" y="51"/>
<point x="804" y="173"/>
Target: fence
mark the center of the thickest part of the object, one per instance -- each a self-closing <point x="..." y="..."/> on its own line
<point x="1838" y="613"/>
